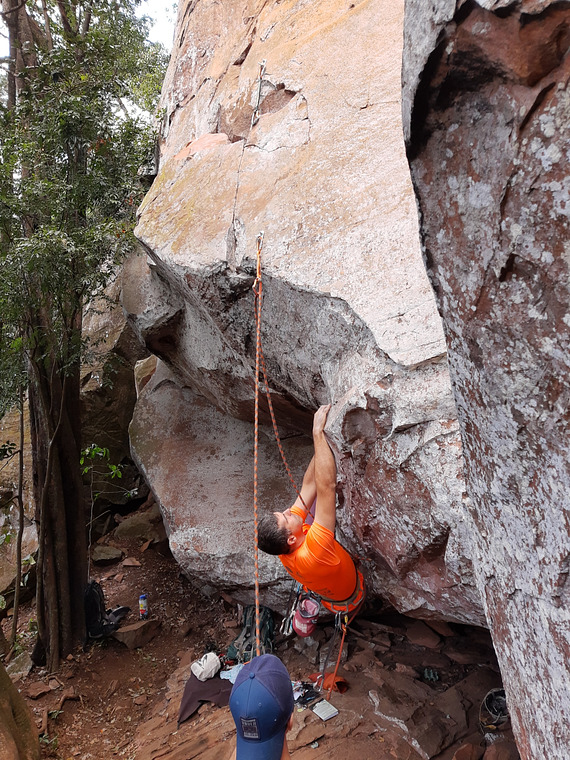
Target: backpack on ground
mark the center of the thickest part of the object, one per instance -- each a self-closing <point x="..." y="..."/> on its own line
<point x="243" y="648"/>
<point x="100" y="622"/>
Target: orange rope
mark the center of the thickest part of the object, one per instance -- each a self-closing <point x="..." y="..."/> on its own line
<point x="258" y="291"/>
<point x="344" y="625"/>
<point x="260" y="365"/>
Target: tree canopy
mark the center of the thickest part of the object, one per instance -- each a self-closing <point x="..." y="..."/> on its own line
<point x="72" y="143"/>
<point x="75" y="131"/>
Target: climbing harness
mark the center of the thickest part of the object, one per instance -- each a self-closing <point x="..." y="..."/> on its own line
<point x="354" y="601"/>
<point x="255" y="114"/>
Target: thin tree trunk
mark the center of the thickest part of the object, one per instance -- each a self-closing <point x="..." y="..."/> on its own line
<point x="21" y="517"/>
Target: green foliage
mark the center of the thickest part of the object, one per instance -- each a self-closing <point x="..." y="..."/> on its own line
<point x="95" y="462"/>
<point x="70" y="150"/>
<point x="5" y="537"/>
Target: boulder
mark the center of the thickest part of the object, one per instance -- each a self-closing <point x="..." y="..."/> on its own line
<point x="137" y="634"/>
<point x="486" y="106"/>
<point x="145" y="525"/>
<point x="108" y="392"/>
<point x="469" y="751"/>
<point x="201" y="472"/>
<point x="9" y="474"/>
<point x="108" y="395"/>
<point x="19" y="666"/>
<point x="105" y="555"/>
<point x="306" y="147"/>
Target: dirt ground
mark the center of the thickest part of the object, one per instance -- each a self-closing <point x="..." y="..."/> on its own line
<point x="406" y="689"/>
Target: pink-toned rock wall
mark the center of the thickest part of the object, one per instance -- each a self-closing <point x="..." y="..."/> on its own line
<point x="487" y="119"/>
<point x="348" y="314"/>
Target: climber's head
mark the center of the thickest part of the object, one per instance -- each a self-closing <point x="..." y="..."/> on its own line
<point x="280" y="532"/>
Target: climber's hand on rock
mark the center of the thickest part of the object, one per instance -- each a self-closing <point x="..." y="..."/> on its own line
<point x="320" y="419"/>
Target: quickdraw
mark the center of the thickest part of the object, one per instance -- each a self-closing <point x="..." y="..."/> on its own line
<point x="255" y="114"/>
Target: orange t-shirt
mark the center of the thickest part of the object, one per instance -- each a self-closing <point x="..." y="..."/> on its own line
<point x="321" y="564"/>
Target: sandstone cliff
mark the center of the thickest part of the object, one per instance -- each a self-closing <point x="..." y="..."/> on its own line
<point x="286" y="118"/>
<point x="486" y="113"/>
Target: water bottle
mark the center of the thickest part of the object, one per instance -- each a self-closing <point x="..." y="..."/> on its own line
<point x="143" y="607"/>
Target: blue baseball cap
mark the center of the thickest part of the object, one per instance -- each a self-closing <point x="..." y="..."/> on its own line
<point x="261" y="703"/>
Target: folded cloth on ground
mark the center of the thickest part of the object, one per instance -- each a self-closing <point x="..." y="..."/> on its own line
<point x="195" y="692"/>
<point x="232" y="673"/>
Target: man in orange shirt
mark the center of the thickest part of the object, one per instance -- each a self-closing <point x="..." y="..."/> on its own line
<point x="310" y="553"/>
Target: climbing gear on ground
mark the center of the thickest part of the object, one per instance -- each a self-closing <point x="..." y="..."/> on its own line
<point x="493" y="712"/>
<point x="286" y="627"/>
<point x="246" y="645"/>
<point x="206" y="667"/>
<point x="330" y="683"/>
<point x="304" y="693"/>
<point x="100" y="622"/>
<point x="430" y="675"/>
<point x="306" y="615"/>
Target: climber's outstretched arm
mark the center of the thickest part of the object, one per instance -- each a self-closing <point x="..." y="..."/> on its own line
<point x="325" y="472"/>
<point x="308" y="489"/>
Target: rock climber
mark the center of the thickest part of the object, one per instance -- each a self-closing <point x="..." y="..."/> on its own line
<point x="310" y="553"/>
<point x="261" y="704"/>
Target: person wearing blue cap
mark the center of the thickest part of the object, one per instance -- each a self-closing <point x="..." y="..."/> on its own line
<point x="262" y="703"/>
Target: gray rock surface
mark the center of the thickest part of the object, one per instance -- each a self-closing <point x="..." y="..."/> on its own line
<point x="488" y="139"/>
<point x="309" y="149"/>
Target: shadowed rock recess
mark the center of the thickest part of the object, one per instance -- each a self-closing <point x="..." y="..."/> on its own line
<point x="486" y="116"/>
<point x="286" y="118"/>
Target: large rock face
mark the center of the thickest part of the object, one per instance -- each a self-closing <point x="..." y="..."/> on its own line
<point x="487" y="118"/>
<point x="285" y="118"/>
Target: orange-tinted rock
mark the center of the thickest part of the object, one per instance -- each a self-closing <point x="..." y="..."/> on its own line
<point x="469" y="752"/>
<point x="419" y="633"/>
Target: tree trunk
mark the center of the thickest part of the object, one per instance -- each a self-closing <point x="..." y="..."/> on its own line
<point x="18" y="733"/>
<point x="21" y="519"/>
<point x="62" y="559"/>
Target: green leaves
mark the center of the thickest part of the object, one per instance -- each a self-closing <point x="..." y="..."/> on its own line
<point x="70" y="151"/>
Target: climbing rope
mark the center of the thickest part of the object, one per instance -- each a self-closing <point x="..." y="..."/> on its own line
<point x="260" y="368"/>
<point x="258" y="294"/>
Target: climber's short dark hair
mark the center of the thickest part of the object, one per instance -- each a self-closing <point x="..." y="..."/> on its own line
<point x="272" y="539"/>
